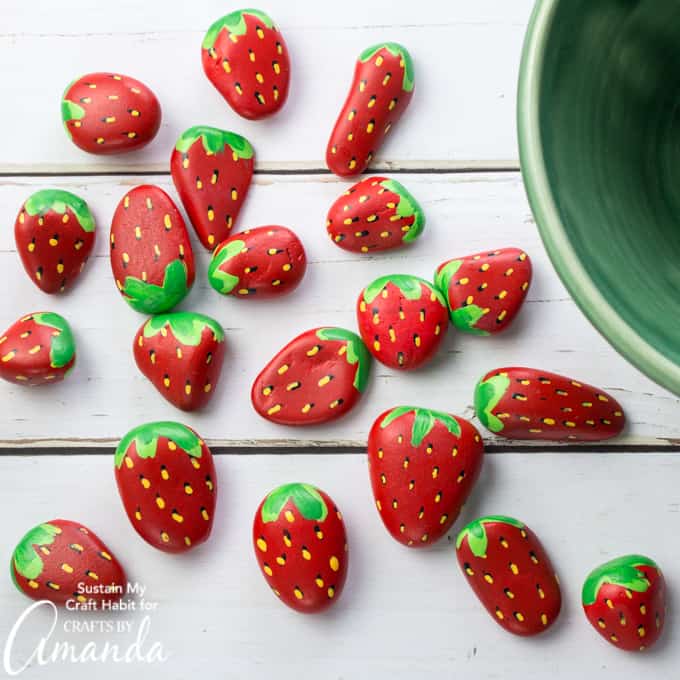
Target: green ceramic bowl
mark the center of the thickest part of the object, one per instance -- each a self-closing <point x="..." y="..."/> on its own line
<point x="599" y="130"/>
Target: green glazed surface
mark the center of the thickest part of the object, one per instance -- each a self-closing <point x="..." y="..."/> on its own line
<point x="599" y="130"/>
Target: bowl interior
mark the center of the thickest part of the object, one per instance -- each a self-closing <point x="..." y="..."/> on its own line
<point x="599" y="123"/>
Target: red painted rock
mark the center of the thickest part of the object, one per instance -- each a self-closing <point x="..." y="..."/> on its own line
<point x="151" y="256"/>
<point x="423" y="465"/>
<point x="317" y="377"/>
<point x="625" y="601"/>
<point x="485" y="291"/>
<point x="264" y="262"/>
<point x="375" y="214"/>
<point x="527" y="403"/>
<point x="301" y="547"/>
<point x="38" y="349"/>
<point x="64" y="562"/>
<point x="54" y="233"/>
<point x="511" y="574"/>
<point x="167" y="482"/>
<point x="402" y="319"/>
<point x="380" y="92"/>
<point x="181" y="353"/>
<point x="212" y="170"/>
<point x="107" y="113"/>
<point x="245" y="57"/>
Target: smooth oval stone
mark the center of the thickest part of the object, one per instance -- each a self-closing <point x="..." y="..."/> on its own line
<point x="301" y="547"/>
<point x="423" y="464"/>
<point x="317" y="377"/>
<point x="38" y="349"/>
<point x="107" y="113"/>
<point x="245" y="57"/>
<point x="485" y="291"/>
<point x="263" y="262"/>
<point x="511" y="574"/>
<point x="625" y="601"/>
<point x="67" y="564"/>
<point x="151" y="256"/>
<point x="375" y="214"/>
<point x="167" y="482"/>
<point x="402" y="319"/>
<point x="381" y="90"/>
<point x="212" y="170"/>
<point x="528" y="403"/>
<point x="54" y="234"/>
<point x="181" y="353"/>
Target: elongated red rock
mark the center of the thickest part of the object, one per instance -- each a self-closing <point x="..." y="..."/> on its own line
<point x="67" y="564"/>
<point x="317" y="377"/>
<point x="212" y="170"/>
<point x="263" y="262"/>
<point x="151" y="256"/>
<point x="167" y="482"/>
<point x="38" y="349"/>
<point x="245" y="57"/>
<point x="107" y="113"/>
<point x="528" y="403"/>
<point x="380" y="92"/>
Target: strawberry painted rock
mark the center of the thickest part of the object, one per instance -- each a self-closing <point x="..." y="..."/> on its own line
<point x="485" y="291"/>
<point x="38" y="349"/>
<point x="181" y="354"/>
<point x="301" y="546"/>
<point x="264" y="262"/>
<point x="54" y="233"/>
<point x="375" y="214"/>
<point x="423" y="465"/>
<point x="527" y="403"/>
<point x="107" y="113"/>
<point x="380" y="92"/>
<point x="245" y="57"/>
<point x="402" y="319"/>
<point x="167" y="482"/>
<point x="212" y="170"/>
<point x="66" y="563"/>
<point x="511" y="574"/>
<point x="317" y="377"/>
<point x="625" y="601"/>
<point x="151" y="256"/>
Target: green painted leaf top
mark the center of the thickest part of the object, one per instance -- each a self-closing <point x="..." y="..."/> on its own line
<point x="622" y="571"/>
<point x="411" y="287"/>
<point x="215" y="141"/>
<point x="149" y="298"/>
<point x="187" y="327"/>
<point x="475" y="532"/>
<point x="408" y="206"/>
<point x="57" y="200"/>
<point x="356" y="353"/>
<point x="146" y="436"/>
<point x="487" y="395"/>
<point x="423" y="422"/>
<point x="235" y="24"/>
<point x="26" y="559"/>
<point x="306" y="499"/>
<point x="62" y="344"/>
<point x="397" y="50"/>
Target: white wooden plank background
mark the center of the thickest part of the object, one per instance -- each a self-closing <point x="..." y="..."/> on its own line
<point x="403" y="614"/>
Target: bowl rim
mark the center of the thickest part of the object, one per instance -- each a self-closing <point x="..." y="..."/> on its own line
<point x="587" y="296"/>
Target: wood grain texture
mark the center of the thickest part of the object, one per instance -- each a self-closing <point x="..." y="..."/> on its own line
<point x="460" y="116"/>
<point x="106" y="395"/>
<point x="404" y="614"/>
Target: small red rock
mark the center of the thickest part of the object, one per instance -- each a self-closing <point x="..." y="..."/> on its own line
<point x="212" y="170"/>
<point x="423" y="464"/>
<point x="380" y="92"/>
<point x="54" y="233"/>
<point x="167" y="482"/>
<point x="402" y="319"/>
<point x="263" y="262"/>
<point x="38" y="349"/>
<point x="317" y="377"/>
<point x="67" y="564"/>
<point x="181" y="353"/>
<point x="485" y="291"/>
<point x="375" y="214"/>
<point x="245" y="57"/>
<point x="301" y="546"/>
<point x="151" y="256"/>
<point x="107" y="113"/>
